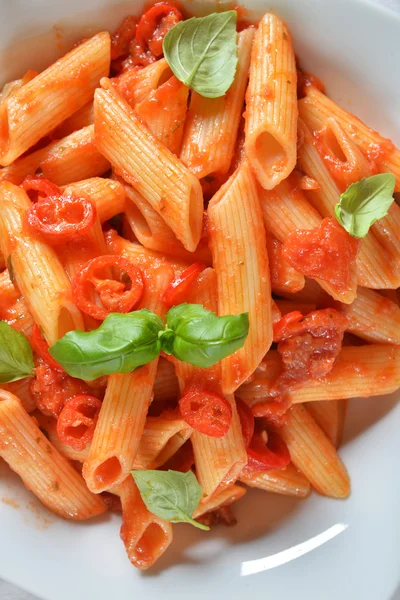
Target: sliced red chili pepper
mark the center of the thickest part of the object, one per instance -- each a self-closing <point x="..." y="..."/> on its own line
<point x="77" y="421"/>
<point x="246" y="420"/>
<point x="263" y="456"/>
<point x="115" y="295"/>
<point x="205" y="411"/>
<point x="281" y="326"/>
<point x="44" y="187"/>
<point x="273" y="411"/>
<point x="177" y="290"/>
<point x="153" y="26"/>
<point x="41" y="348"/>
<point x="62" y="218"/>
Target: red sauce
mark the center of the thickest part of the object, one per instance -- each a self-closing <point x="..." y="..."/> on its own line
<point x="306" y="80"/>
<point x="327" y="252"/>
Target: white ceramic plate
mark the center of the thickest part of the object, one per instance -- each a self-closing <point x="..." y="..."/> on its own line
<point x="317" y="549"/>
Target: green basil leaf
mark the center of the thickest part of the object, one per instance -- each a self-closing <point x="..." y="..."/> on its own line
<point x="200" y="337"/>
<point x="364" y="202"/>
<point x="122" y="343"/>
<point x="202" y="52"/>
<point x="171" y="495"/>
<point x="16" y="357"/>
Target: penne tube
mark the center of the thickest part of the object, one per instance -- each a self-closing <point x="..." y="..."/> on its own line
<point x="42" y="469"/>
<point x="212" y="123"/>
<point x="311" y="293"/>
<point x="284" y="278"/>
<point x="275" y="312"/>
<point x="123" y="413"/>
<point x="106" y="194"/>
<point x="49" y="425"/>
<point x="314" y="454"/>
<point x="135" y="85"/>
<point x="22" y="389"/>
<point x="374" y="270"/>
<point x="150" y="229"/>
<point x="362" y="371"/>
<point x="72" y="158"/>
<point x="153" y="448"/>
<point x="374" y="318"/>
<point x="13" y="308"/>
<point x="238" y="245"/>
<point x="317" y="107"/>
<point x="145" y="536"/>
<point x="81" y="118"/>
<point x="37" y="270"/>
<point x="271" y="103"/>
<point x="147" y="165"/>
<point x="218" y="460"/>
<point x="142" y="257"/>
<point x="52" y="96"/>
<point x="166" y="385"/>
<point x="288" y="481"/>
<point x="164" y="112"/>
<point x="286" y="209"/>
<point x="225" y="497"/>
<point x="329" y="415"/>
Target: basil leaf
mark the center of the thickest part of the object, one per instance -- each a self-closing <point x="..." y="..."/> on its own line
<point x="202" y="52"/>
<point x="200" y="337"/>
<point x="16" y="357"/>
<point x="171" y="495"/>
<point x="364" y="202"/>
<point x="122" y="343"/>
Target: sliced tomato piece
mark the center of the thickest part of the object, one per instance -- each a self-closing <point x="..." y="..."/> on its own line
<point x="177" y="290"/>
<point x="264" y="456"/>
<point x="77" y="421"/>
<point x="205" y="411"/>
<point x="115" y="295"/>
<point x="153" y="26"/>
<point x="121" y="39"/>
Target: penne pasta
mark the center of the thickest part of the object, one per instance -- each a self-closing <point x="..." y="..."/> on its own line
<point x="148" y="166"/>
<point x="77" y="74"/>
<point x="123" y="413"/>
<point x="38" y="272"/>
<point x="288" y="481"/>
<point x="107" y="195"/>
<point x="225" y="497"/>
<point x="42" y="469"/>
<point x="164" y="112"/>
<point x="314" y="454"/>
<point x="166" y="385"/>
<point x="81" y="118"/>
<point x="329" y="415"/>
<point x="145" y="536"/>
<point x="374" y="318"/>
<point x="240" y="258"/>
<point x="22" y="389"/>
<point x="284" y="278"/>
<point x="212" y="124"/>
<point x="271" y="103"/>
<point x="135" y="85"/>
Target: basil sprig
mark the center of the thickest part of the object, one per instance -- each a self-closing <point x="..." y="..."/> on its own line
<point x="202" y="52"/>
<point x="364" y="202"/>
<point x="16" y="357"/>
<point x="199" y="337"/>
<point x="170" y="495"/>
<point x="124" y="342"/>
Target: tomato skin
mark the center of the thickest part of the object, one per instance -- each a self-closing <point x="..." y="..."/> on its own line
<point x="77" y="421"/>
<point x="153" y="26"/>
<point x="327" y="252"/>
<point x="178" y="289"/>
<point x="205" y="411"/>
<point x="61" y="218"/>
<point x="112" y="293"/>
<point x="246" y="420"/>
<point x="266" y="456"/>
<point x="41" y="348"/>
<point x="121" y="39"/>
<point x="42" y="186"/>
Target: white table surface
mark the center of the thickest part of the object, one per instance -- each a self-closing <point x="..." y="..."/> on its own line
<point x="11" y="592"/>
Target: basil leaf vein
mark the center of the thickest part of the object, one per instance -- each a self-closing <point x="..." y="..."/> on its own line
<point x="364" y="202"/>
<point x="202" y="52"/>
<point x="16" y="357"/>
<point x="170" y="495"/>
